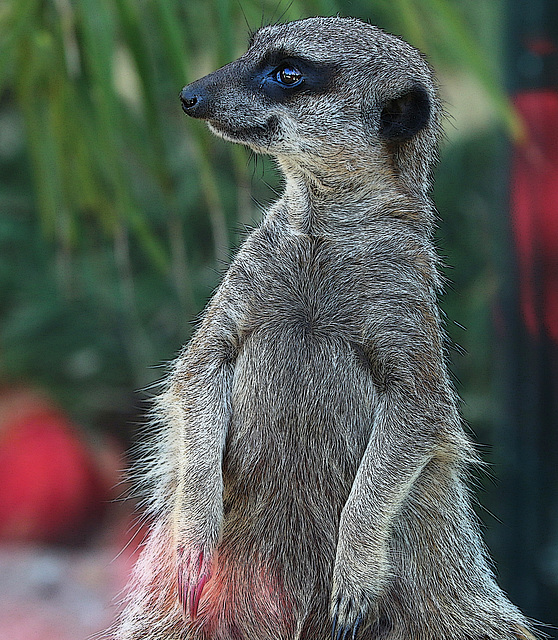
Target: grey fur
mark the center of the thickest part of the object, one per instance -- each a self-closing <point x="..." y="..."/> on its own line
<point x="310" y="462"/>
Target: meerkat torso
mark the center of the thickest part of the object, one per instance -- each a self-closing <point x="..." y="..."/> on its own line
<point x="307" y="478"/>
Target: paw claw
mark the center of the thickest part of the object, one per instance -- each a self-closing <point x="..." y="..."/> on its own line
<point x="195" y="596"/>
<point x="337" y="630"/>
<point x="191" y="579"/>
<point x="346" y="619"/>
<point x="357" y="625"/>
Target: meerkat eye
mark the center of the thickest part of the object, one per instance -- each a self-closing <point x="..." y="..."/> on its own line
<point x="288" y="75"/>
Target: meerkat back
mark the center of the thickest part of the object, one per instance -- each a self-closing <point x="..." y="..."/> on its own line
<point x="307" y="479"/>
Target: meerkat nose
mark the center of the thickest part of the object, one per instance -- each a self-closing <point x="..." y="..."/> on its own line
<point x="188" y="100"/>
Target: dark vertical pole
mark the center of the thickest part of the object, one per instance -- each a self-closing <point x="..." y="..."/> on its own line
<point x="528" y="440"/>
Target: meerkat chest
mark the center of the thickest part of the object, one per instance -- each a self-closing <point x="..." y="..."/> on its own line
<point x="299" y="376"/>
<point x="303" y="287"/>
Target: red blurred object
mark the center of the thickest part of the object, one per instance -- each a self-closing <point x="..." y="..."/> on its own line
<point x="534" y="210"/>
<point x="52" y="489"/>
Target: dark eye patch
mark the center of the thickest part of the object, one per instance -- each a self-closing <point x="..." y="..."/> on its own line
<point x="281" y="76"/>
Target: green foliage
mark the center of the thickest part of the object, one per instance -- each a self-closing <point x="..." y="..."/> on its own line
<point x="116" y="212"/>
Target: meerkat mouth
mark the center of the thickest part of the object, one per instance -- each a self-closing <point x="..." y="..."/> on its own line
<point x="260" y="134"/>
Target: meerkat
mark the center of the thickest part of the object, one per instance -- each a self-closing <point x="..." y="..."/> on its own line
<point x="308" y="476"/>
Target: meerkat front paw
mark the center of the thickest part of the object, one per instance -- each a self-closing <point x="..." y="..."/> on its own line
<point x="198" y="521"/>
<point x="350" y="605"/>
<point x="346" y="618"/>
<point x="194" y="570"/>
<point x="357" y="584"/>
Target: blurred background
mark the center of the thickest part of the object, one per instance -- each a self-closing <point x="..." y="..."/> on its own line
<point x="118" y="215"/>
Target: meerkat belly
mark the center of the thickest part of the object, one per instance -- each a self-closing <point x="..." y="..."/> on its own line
<point x="302" y="406"/>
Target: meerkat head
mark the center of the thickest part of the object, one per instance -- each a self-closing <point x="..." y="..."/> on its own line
<point x="332" y="96"/>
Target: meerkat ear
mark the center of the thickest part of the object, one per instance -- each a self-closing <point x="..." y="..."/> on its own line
<point x="401" y="118"/>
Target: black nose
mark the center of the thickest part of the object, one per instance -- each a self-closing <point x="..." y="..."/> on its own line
<point x="188" y="100"/>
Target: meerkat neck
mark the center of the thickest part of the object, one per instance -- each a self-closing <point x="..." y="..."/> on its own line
<point x="315" y="207"/>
